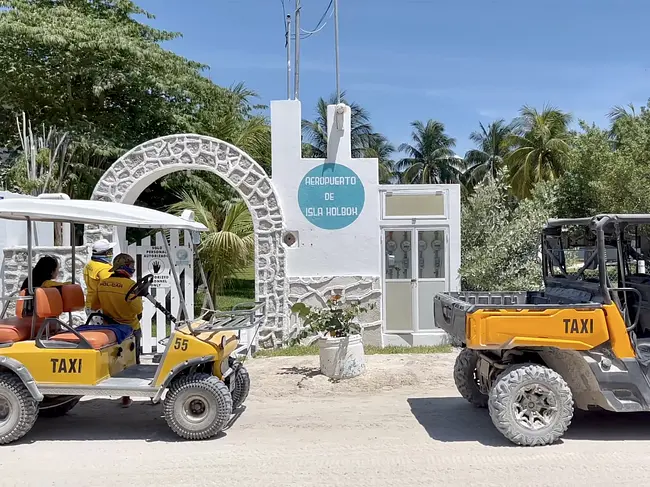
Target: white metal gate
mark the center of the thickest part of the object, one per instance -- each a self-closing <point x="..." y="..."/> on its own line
<point x="151" y="258"/>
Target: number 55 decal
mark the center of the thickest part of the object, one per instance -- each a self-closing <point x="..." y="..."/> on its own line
<point x="181" y="344"/>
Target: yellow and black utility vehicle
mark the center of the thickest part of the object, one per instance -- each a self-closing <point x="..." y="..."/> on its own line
<point x="582" y="342"/>
<point x="47" y="364"/>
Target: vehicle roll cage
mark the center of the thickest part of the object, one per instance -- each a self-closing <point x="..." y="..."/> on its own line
<point x="603" y="226"/>
<point x="61" y="209"/>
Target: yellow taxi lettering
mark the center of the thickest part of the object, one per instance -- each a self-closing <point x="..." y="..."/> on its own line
<point x="581" y="326"/>
<point x="66" y="365"/>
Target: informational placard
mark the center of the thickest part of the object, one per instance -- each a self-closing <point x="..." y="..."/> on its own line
<point x="331" y="196"/>
<point x="156" y="262"/>
<point x="182" y="256"/>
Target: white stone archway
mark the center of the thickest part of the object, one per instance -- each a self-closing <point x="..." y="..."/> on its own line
<point x="132" y="173"/>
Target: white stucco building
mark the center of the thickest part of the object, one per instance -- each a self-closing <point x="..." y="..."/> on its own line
<point x="393" y="245"/>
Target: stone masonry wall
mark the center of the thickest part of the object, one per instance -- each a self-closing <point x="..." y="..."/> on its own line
<point x="121" y="183"/>
<point x="314" y="291"/>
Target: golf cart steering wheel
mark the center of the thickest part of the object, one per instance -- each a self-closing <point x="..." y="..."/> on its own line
<point x="140" y="288"/>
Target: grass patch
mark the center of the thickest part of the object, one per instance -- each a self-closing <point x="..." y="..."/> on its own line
<point x="235" y="291"/>
<point x="225" y="303"/>
<point x="247" y="274"/>
<point x="301" y="350"/>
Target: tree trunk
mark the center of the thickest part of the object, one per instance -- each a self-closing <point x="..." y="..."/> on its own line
<point x="58" y="234"/>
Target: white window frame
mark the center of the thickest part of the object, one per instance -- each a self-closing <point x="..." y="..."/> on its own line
<point x="422" y="190"/>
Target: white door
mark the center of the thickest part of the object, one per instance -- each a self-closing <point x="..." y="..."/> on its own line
<point x="415" y="268"/>
<point x="432" y="273"/>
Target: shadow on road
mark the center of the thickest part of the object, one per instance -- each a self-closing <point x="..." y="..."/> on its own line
<point x="308" y="372"/>
<point x="453" y="419"/>
<point x="105" y="419"/>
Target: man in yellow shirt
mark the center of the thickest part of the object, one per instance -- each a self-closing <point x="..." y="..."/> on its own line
<point x="111" y="299"/>
<point x="97" y="269"/>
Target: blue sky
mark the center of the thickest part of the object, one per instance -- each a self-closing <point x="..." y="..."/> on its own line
<point x="459" y="62"/>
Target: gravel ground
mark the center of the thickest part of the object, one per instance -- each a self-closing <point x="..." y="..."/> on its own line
<point x="401" y="423"/>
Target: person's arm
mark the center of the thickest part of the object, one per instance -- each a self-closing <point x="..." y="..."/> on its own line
<point x="136" y="307"/>
<point x="94" y="301"/>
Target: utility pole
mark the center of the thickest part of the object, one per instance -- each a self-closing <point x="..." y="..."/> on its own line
<point x="288" y="45"/>
<point x="296" y="64"/>
<point x="336" y="50"/>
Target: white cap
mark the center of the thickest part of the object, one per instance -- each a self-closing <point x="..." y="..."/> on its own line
<point x="102" y="246"/>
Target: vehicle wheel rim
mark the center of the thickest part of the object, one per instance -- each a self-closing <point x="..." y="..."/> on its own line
<point x="5" y="410"/>
<point x="535" y="406"/>
<point x="196" y="409"/>
<point x="476" y="379"/>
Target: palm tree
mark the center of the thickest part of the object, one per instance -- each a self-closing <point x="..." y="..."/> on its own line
<point x="618" y="113"/>
<point x="617" y="116"/>
<point x="488" y="157"/>
<point x="430" y="157"/>
<point x="315" y="132"/>
<point x="228" y="246"/>
<point x="540" y="146"/>
<point x="379" y="148"/>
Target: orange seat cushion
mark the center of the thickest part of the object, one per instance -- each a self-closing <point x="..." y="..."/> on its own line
<point x="97" y="339"/>
<point x="17" y="329"/>
<point x="48" y="302"/>
<point x="73" y="298"/>
<point x="20" y="305"/>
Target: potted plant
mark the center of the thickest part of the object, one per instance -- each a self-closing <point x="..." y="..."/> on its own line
<point x="339" y="336"/>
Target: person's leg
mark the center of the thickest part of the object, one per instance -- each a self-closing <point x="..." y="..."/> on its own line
<point x="138" y="344"/>
<point x="137" y="335"/>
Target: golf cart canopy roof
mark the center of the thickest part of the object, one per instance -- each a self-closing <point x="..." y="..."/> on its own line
<point x="602" y="219"/>
<point x="94" y="213"/>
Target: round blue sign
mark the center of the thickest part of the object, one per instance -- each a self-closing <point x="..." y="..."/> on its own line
<point x="331" y="196"/>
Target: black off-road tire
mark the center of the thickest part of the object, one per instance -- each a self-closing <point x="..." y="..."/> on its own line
<point x="211" y="393"/>
<point x="503" y="404"/>
<point x="466" y="379"/>
<point x="59" y="410"/>
<point x="22" y="410"/>
<point x="242" y="387"/>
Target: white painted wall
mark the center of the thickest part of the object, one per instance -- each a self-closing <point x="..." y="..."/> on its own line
<point x="350" y="251"/>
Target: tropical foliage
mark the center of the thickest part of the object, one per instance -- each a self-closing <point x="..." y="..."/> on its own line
<point x="430" y="158"/>
<point x="93" y="71"/>
<point x="500" y="236"/>
<point x="540" y="147"/>
<point x="228" y="245"/>
<point x="491" y="149"/>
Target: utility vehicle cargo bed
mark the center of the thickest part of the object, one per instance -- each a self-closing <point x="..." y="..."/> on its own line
<point x="450" y="309"/>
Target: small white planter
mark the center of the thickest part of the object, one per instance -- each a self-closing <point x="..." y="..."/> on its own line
<point x="342" y="358"/>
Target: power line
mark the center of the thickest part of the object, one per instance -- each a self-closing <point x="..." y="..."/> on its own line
<point x="300" y="34"/>
<point x="320" y="27"/>
<point x="305" y="34"/>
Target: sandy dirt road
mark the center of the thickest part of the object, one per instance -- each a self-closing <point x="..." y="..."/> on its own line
<point x="400" y="424"/>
